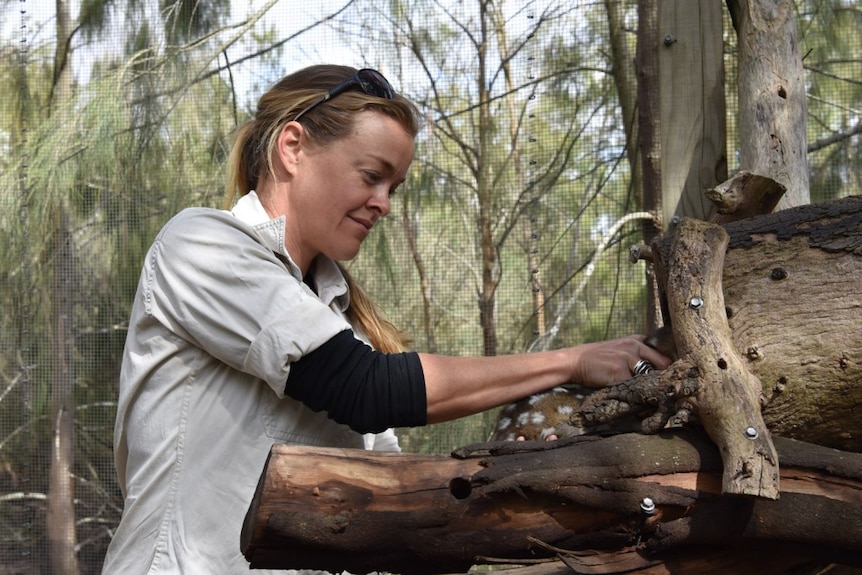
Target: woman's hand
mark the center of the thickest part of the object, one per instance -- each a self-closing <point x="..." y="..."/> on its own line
<point x="605" y="362"/>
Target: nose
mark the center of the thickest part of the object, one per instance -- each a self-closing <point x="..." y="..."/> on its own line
<point x="379" y="202"/>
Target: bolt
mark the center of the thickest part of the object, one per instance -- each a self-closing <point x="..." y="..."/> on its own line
<point x="696" y="302"/>
<point x="751" y="433"/>
<point x="647" y="506"/>
<point x="669" y="39"/>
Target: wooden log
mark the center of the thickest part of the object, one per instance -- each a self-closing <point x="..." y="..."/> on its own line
<point x="791" y="284"/>
<point x="743" y="196"/>
<point x="336" y="509"/>
<point x="728" y="394"/>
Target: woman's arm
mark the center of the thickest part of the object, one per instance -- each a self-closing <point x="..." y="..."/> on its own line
<point x="460" y="386"/>
<point x="371" y="391"/>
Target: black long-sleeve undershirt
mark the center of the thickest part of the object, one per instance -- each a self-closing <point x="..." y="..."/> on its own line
<point x="360" y="387"/>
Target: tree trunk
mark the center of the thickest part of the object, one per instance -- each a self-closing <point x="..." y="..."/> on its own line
<point x="624" y="502"/>
<point x="487" y="296"/>
<point x="60" y="520"/>
<point x="649" y="135"/>
<point x="772" y="96"/>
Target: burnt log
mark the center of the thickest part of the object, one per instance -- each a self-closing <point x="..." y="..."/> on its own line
<point x="620" y="503"/>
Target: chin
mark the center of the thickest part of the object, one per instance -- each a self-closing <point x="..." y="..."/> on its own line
<point x="344" y="255"/>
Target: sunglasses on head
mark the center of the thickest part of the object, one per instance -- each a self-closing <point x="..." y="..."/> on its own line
<point x="370" y="81"/>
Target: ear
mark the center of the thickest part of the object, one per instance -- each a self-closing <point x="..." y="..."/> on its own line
<point x="289" y="145"/>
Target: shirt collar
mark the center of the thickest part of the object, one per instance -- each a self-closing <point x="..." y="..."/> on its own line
<point x="329" y="282"/>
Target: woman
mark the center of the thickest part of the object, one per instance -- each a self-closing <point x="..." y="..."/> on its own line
<point x="245" y="331"/>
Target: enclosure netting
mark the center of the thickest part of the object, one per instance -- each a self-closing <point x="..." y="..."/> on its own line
<point x="506" y="237"/>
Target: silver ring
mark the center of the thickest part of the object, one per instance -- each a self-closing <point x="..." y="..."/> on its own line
<point x="643" y="367"/>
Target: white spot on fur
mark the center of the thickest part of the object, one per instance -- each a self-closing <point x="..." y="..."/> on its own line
<point x="534" y="399"/>
<point x="537" y="418"/>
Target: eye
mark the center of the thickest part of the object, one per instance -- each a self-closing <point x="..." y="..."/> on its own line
<point x="372" y="178"/>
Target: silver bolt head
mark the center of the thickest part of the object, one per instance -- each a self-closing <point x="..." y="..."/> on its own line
<point x="648" y="506"/>
<point x="751" y="433"/>
<point x="696" y="302"/>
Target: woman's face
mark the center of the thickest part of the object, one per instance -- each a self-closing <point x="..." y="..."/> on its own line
<point x="336" y="193"/>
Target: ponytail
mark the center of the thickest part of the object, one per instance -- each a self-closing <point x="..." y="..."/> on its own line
<point x="364" y="313"/>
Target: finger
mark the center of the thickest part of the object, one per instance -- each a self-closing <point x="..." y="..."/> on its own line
<point x="642" y="367"/>
<point x="654" y="356"/>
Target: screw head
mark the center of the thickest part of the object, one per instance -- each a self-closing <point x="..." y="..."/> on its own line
<point x="648" y="506"/>
<point x="751" y="432"/>
<point x="696" y="302"/>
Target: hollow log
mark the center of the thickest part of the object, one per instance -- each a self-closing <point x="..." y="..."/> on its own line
<point x="619" y="503"/>
<point x="790" y="284"/>
<point x="793" y="307"/>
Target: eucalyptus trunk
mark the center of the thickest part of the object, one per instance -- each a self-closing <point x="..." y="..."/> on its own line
<point x="773" y="106"/>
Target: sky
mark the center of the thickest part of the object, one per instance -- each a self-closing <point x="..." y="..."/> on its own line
<point x="31" y="24"/>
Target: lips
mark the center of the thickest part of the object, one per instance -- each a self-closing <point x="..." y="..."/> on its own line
<point x="368" y="224"/>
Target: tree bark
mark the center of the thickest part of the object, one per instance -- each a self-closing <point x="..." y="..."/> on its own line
<point x="641" y="500"/>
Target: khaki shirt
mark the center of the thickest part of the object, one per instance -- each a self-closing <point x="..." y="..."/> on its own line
<point x="220" y="314"/>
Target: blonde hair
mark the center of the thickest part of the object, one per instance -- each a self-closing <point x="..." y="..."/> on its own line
<point x="251" y="157"/>
<point x="382" y="334"/>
